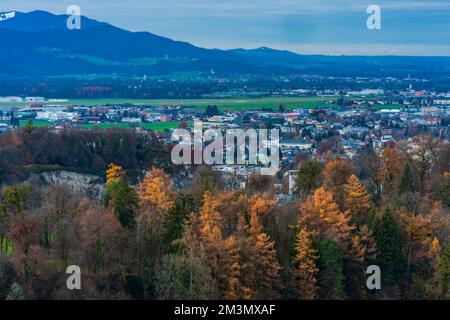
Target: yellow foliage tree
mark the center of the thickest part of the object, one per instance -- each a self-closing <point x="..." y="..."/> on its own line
<point x="433" y="288"/>
<point x="260" y="206"/>
<point x="434" y="253"/>
<point x="304" y="267"/>
<point x="418" y="229"/>
<point x="320" y="215"/>
<point x="235" y="280"/>
<point x="114" y="172"/>
<point x="209" y="230"/>
<point x="267" y="267"/>
<point x="210" y="218"/>
<point x="357" y="200"/>
<point x="155" y="192"/>
<point x="155" y="197"/>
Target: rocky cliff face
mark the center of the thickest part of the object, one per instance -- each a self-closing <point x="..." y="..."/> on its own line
<point x="94" y="186"/>
<point x="91" y="185"/>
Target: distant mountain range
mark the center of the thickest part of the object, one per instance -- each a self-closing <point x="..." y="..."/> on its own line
<point x="38" y="44"/>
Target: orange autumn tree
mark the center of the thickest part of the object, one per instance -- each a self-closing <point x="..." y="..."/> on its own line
<point x="155" y="191"/>
<point x="320" y="215"/>
<point x="236" y="288"/>
<point x="304" y="267"/>
<point x="229" y="258"/>
<point x="363" y="250"/>
<point x="155" y="197"/>
<point x="210" y="218"/>
<point x="335" y="175"/>
<point x="245" y="262"/>
<point x="434" y="287"/>
<point x="209" y="231"/>
<point x="113" y="173"/>
<point x="418" y="230"/>
<point x="392" y="162"/>
<point x="422" y="249"/>
<point x="239" y="263"/>
<point x="267" y="267"/>
<point x="357" y="200"/>
<point x="120" y="196"/>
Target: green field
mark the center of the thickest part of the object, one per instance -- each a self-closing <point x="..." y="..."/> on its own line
<point x="38" y="123"/>
<point x="223" y="104"/>
<point x="155" y="126"/>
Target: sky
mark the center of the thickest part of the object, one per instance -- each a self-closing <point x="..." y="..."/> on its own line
<point x="336" y="27"/>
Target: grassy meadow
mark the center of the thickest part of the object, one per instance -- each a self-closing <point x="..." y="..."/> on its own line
<point x="223" y="104"/>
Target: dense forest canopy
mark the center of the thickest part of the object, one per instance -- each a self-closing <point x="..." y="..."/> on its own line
<point x="77" y="149"/>
<point x="148" y="240"/>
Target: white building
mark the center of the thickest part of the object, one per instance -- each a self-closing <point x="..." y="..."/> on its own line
<point x="54" y="115"/>
<point x="131" y="120"/>
<point x="34" y="99"/>
<point x="366" y="92"/>
<point x="11" y="99"/>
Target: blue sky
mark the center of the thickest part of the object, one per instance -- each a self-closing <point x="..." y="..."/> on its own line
<point x="409" y="27"/>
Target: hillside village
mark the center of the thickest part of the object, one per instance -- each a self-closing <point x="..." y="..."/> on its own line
<point x="352" y="121"/>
